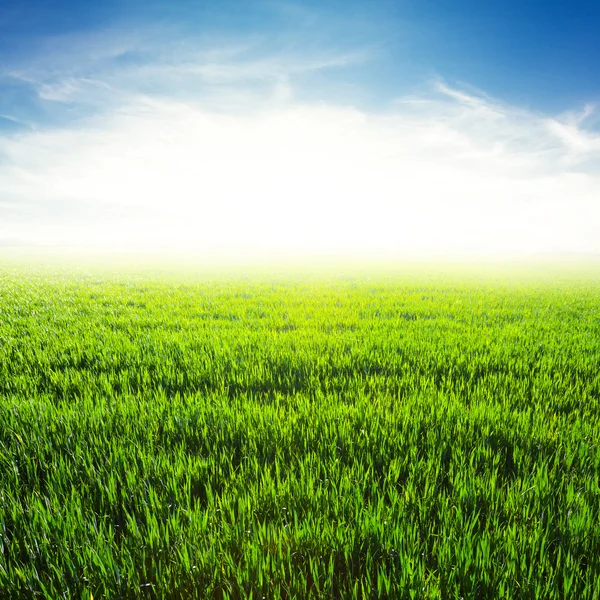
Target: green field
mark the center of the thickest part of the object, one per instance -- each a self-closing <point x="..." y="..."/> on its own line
<point x="408" y="435"/>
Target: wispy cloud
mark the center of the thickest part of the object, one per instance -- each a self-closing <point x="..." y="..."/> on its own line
<point x="202" y="146"/>
<point x="9" y="118"/>
<point x="102" y="69"/>
<point x="581" y="144"/>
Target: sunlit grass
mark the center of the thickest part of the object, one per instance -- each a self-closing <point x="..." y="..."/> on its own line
<point x="359" y="436"/>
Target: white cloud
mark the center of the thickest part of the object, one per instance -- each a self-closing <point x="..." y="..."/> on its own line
<point x="580" y="143"/>
<point x="234" y="164"/>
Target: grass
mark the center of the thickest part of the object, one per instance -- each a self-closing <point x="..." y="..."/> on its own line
<point x="219" y="436"/>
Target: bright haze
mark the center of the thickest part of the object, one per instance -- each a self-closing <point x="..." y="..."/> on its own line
<point x="377" y="128"/>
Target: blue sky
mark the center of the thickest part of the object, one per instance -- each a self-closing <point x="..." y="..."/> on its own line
<point x="496" y="98"/>
<point x="544" y="54"/>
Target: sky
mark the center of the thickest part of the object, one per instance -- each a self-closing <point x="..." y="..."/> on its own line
<point x="388" y="128"/>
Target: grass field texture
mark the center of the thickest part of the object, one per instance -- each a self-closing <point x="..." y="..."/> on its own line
<point x="215" y="436"/>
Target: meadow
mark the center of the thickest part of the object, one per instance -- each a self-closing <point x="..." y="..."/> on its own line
<point x="402" y="435"/>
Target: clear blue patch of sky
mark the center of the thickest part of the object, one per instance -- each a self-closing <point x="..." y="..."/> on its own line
<point x="542" y="53"/>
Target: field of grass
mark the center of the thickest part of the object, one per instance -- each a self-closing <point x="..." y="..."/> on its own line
<point x="261" y="436"/>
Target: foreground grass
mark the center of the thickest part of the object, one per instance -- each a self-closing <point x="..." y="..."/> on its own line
<point x="298" y="438"/>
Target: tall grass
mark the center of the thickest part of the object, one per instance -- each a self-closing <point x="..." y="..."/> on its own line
<point x="298" y="438"/>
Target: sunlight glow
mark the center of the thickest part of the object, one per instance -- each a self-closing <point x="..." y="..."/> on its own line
<point x="450" y="174"/>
